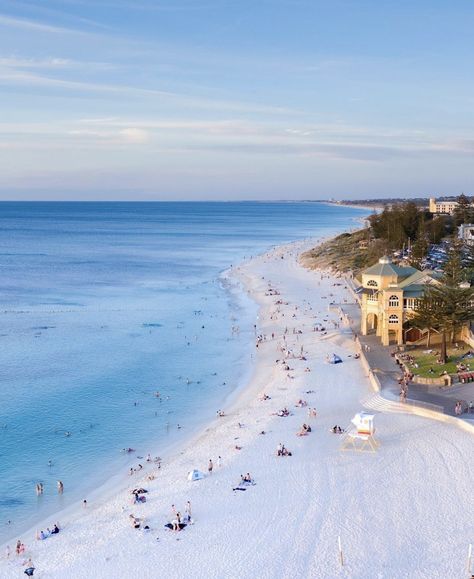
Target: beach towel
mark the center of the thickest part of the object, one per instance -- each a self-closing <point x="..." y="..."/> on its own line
<point x="181" y="526"/>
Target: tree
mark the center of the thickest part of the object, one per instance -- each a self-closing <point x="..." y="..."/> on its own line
<point x="426" y="316"/>
<point x="419" y="249"/>
<point x="446" y="305"/>
<point x="397" y="224"/>
<point x="436" y="228"/>
<point x="464" y="211"/>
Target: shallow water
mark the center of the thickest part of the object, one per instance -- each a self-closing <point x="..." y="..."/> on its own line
<point x="103" y="305"/>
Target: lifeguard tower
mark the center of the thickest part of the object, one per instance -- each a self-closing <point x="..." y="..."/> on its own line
<point x="361" y="434"/>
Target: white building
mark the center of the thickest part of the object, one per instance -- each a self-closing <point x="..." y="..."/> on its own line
<point x="466" y="233"/>
<point x="446" y="207"/>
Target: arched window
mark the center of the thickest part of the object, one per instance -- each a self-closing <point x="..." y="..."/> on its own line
<point x="393" y="319"/>
<point x="372" y="283"/>
<point x="393" y="301"/>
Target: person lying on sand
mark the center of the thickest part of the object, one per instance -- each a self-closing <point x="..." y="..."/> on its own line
<point x="265" y="397"/>
<point x="337" y="429"/>
<point x="283" y="412"/>
<point x="134" y="521"/>
<point x="305" y="429"/>
<point x="301" y="403"/>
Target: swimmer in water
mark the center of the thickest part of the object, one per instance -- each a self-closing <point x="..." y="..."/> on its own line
<point x="50" y="462"/>
<point x="60" y="487"/>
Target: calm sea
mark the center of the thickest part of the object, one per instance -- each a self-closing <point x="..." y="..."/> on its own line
<point x="102" y="305"/>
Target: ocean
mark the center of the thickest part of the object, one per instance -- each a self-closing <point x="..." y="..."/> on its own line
<point x="105" y="304"/>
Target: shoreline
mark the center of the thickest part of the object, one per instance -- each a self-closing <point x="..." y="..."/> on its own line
<point x="118" y="481"/>
<point x="235" y="401"/>
<point x="297" y="502"/>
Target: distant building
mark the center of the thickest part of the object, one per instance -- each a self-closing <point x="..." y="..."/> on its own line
<point x="389" y="294"/>
<point x="466" y="233"/>
<point x="446" y="207"/>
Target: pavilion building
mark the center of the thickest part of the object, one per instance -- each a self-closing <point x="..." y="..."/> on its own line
<point x="388" y="299"/>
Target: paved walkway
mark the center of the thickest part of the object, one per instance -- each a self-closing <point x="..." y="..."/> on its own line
<point x="388" y="372"/>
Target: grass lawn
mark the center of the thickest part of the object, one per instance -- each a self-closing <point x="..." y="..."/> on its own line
<point x="426" y="361"/>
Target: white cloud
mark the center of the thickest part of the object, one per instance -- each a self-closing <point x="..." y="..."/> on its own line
<point x="128" y="135"/>
<point x="134" y="135"/>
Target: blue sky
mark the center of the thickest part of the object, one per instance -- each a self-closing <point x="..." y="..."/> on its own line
<point x="235" y="99"/>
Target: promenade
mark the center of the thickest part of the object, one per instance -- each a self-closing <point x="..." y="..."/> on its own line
<point x="383" y="365"/>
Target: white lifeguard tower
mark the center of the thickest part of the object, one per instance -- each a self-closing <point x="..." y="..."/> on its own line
<point x="361" y="434"/>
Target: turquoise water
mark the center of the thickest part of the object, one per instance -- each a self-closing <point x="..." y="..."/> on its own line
<point x="104" y="304"/>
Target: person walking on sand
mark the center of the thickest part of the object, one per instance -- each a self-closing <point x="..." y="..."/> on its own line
<point x="176" y="522"/>
<point x="219" y="461"/>
<point x="210" y="466"/>
<point x="60" y="487"/>
<point x="187" y="510"/>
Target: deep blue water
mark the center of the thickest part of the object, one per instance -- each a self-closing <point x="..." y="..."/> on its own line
<point x="101" y="305"/>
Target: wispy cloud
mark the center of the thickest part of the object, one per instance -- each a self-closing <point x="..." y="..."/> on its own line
<point x="234" y="136"/>
<point x="32" y="25"/>
<point x="16" y="76"/>
<point x="53" y="63"/>
<point x="153" y="6"/>
<point x="128" y="135"/>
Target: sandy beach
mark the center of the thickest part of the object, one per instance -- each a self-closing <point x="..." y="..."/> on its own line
<point x="403" y="511"/>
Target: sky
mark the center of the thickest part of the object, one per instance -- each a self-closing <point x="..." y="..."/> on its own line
<point x="235" y="99"/>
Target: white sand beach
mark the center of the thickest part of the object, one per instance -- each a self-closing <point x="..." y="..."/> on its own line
<point x="403" y="511"/>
